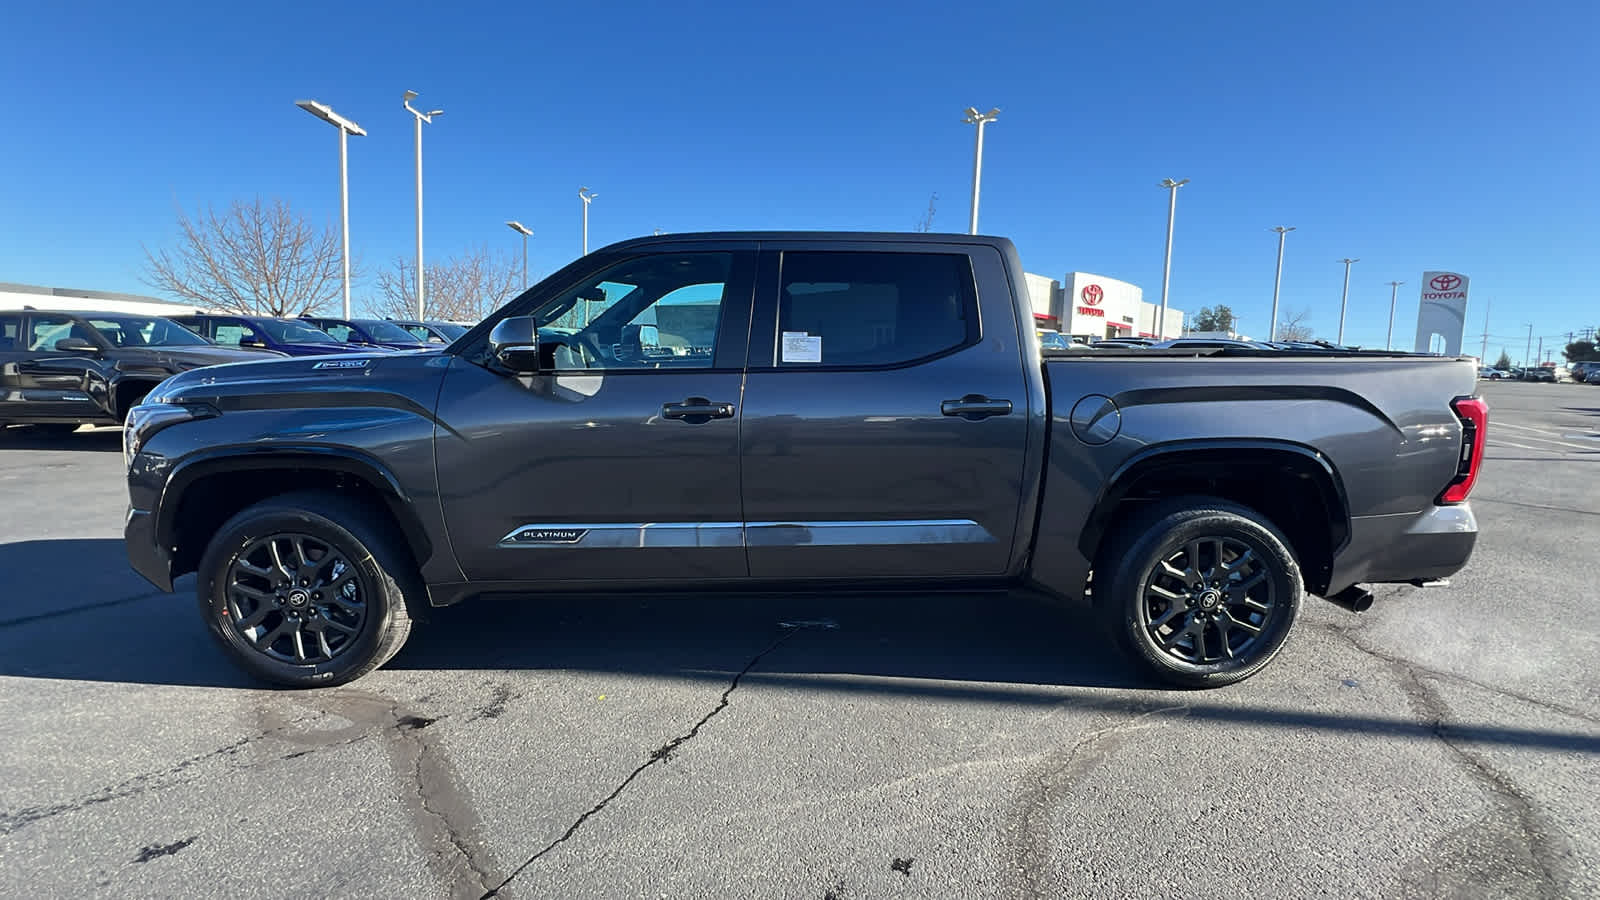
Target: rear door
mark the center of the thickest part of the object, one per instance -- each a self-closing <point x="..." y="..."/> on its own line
<point x="885" y="424"/>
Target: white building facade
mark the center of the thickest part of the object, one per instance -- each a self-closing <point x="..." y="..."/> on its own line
<point x="1095" y="307"/>
<point x="19" y="296"/>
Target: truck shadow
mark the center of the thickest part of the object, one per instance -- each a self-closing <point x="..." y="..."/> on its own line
<point x="73" y="609"/>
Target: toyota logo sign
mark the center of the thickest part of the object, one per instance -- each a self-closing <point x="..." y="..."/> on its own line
<point x="1092" y="294"/>
<point x="1445" y="282"/>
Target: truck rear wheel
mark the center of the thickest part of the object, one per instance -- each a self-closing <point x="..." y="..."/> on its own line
<point x="307" y="590"/>
<point x="1200" y="591"/>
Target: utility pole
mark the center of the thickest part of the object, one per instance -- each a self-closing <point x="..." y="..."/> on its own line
<point x="1277" y="281"/>
<point x="1529" y="348"/>
<point x="1394" y="292"/>
<point x="1486" y="304"/>
<point x="1344" y="300"/>
<point x="1166" y="270"/>
<point x="1538" y="358"/>
<point x="979" y="119"/>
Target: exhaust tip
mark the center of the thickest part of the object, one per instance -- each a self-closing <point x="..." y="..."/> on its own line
<point x="1354" y="598"/>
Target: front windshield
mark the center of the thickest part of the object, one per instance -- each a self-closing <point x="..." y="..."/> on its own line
<point x="387" y="331"/>
<point x="293" y="332"/>
<point x="450" y="330"/>
<point x="145" y="331"/>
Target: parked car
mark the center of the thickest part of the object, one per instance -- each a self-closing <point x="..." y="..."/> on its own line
<point x="1593" y="375"/>
<point x="288" y="336"/>
<point x="1054" y="340"/>
<point x="805" y="440"/>
<point x="1491" y="374"/>
<point x="451" y="330"/>
<point x="368" y="333"/>
<point x="1539" y="373"/>
<point x="1108" y="343"/>
<point x="1580" y="370"/>
<point x="426" y="332"/>
<point x="59" y="370"/>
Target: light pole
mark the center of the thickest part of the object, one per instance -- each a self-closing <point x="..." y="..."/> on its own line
<point x="526" y="232"/>
<point x="979" y="119"/>
<point x="1529" y="349"/>
<point x="1272" y="327"/>
<point x="587" y="196"/>
<point x="1394" y="294"/>
<point x="421" y="117"/>
<point x="346" y="128"/>
<point x="1344" y="300"/>
<point x="1166" y="271"/>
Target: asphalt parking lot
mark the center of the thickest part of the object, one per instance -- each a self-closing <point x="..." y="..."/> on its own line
<point x="1446" y="743"/>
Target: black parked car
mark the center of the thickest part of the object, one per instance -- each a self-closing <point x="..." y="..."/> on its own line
<point x="65" y="369"/>
<point x="1539" y="373"/>
<point x="289" y="336"/>
<point x="439" y="333"/>
<point x="367" y="333"/>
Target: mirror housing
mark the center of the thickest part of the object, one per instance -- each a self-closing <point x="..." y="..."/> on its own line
<point x="76" y="345"/>
<point x="514" y="343"/>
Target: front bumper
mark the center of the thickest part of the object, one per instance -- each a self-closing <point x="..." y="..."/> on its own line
<point x="145" y="554"/>
<point x="1409" y="547"/>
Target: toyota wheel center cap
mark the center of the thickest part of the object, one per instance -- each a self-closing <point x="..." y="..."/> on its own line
<point x="1210" y="599"/>
<point x="299" y="598"/>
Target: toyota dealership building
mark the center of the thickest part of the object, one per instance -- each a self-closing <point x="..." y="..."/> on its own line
<point x="1085" y="305"/>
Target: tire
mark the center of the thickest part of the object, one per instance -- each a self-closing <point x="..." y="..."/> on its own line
<point x="318" y="631"/>
<point x="1173" y="639"/>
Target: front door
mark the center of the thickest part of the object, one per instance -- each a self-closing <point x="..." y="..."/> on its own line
<point x="620" y="460"/>
<point x="51" y="383"/>
<point x="884" y="424"/>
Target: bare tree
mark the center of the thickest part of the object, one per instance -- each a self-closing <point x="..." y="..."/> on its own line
<point x="1294" y="327"/>
<point x="462" y="288"/>
<point x="925" y="224"/>
<point x="256" y="257"/>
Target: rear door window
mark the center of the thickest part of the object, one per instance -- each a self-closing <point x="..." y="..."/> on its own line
<point x="873" y="310"/>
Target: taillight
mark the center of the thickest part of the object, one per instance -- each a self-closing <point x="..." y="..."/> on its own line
<point x="1474" y="415"/>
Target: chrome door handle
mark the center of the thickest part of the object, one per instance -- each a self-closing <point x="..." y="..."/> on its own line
<point x="973" y="407"/>
<point x="696" y="410"/>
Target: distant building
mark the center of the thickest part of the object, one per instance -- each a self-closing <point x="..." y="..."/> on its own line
<point x="1094" y="307"/>
<point x="19" y="296"/>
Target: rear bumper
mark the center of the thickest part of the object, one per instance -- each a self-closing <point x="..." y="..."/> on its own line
<point x="144" y="552"/>
<point x="1413" y="546"/>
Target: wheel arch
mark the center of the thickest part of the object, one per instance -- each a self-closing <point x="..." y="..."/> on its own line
<point x="1294" y="486"/>
<point x="206" y="489"/>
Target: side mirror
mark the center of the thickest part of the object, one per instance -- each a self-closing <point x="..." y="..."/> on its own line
<point x="514" y="343"/>
<point x="76" y="345"/>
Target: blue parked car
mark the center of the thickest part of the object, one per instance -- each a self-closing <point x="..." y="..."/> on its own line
<point x="367" y="333"/>
<point x="290" y="336"/>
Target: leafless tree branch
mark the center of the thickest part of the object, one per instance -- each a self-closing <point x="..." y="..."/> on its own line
<point x="463" y="288"/>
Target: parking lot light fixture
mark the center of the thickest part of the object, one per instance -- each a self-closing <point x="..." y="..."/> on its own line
<point x="1394" y="294"/>
<point x="346" y="128"/>
<point x="526" y="233"/>
<point x="421" y="118"/>
<point x="587" y="196"/>
<point x="973" y="117"/>
<point x="1166" y="269"/>
<point x="1277" y="282"/>
<point x="1345" y="299"/>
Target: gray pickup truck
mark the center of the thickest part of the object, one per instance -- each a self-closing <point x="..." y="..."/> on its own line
<point x="797" y="411"/>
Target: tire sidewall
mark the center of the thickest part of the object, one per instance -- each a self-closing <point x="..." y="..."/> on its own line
<point x="256" y="523"/>
<point x="1165" y="536"/>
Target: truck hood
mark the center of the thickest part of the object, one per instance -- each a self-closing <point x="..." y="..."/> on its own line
<point x="347" y="379"/>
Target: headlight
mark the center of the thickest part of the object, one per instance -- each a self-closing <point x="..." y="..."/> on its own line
<point x="146" y="419"/>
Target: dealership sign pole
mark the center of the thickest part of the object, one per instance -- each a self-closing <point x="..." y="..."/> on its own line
<point x="1442" y="312"/>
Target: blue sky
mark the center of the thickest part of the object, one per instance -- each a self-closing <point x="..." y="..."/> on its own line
<point x="1451" y="135"/>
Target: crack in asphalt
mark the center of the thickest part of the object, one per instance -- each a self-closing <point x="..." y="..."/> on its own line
<point x="1054" y="777"/>
<point x="438" y="799"/>
<point x="660" y="754"/>
<point x="1431" y="709"/>
<point x="11" y="822"/>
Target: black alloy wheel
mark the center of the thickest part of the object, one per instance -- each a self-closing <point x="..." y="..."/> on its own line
<point x="296" y="598"/>
<point x="1200" y="591"/>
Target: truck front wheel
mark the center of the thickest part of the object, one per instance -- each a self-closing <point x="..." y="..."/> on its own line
<point x="1200" y="591"/>
<point x="307" y="589"/>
